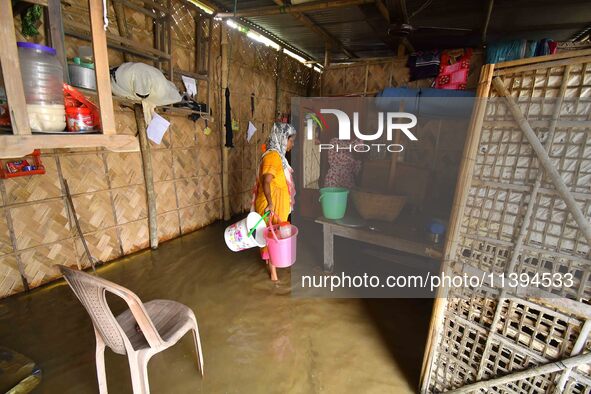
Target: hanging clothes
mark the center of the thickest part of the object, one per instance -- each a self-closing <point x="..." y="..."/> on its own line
<point x="424" y="64"/>
<point x="454" y="68"/>
<point x="228" y="125"/>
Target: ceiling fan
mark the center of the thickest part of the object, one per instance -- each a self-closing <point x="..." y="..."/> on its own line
<point x="405" y="29"/>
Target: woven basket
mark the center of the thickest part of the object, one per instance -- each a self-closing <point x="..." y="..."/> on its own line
<point x="378" y="206"/>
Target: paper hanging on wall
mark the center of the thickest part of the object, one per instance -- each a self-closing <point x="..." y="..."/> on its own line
<point x="250" y="131"/>
<point x="157" y="128"/>
<point x="190" y="85"/>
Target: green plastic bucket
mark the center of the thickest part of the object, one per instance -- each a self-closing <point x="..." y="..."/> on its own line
<point x="334" y="202"/>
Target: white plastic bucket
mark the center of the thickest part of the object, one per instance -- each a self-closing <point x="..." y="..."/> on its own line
<point x="236" y="235"/>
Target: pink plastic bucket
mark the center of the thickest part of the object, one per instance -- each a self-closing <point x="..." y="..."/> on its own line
<point x="281" y="250"/>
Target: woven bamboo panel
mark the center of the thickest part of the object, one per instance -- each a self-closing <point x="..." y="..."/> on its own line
<point x="333" y="81"/>
<point x="516" y="333"/>
<point x="235" y="158"/>
<point x="208" y="161"/>
<point x="213" y="211"/>
<point x="378" y="76"/>
<point x="249" y="178"/>
<point x="182" y="58"/>
<point x="198" y="216"/>
<point x="34" y="188"/>
<point x="39" y="263"/>
<point x="210" y="187"/>
<point x="162" y="166"/>
<point x="5" y="241"/>
<point x="246" y="198"/>
<point x="168" y="226"/>
<point x="10" y="278"/>
<point x="84" y="172"/>
<point x="207" y="141"/>
<point x="40" y="223"/>
<point x="401" y="77"/>
<point x="134" y="236"/>
<point x="250" y="157"/>
<point x="125" y="122"/>
<point x="104" y="245"/>
<point x="165" y="197"/>
<point x="355" y="79"/>
<point x="236" y="203"/>
<point x="185" y="162"/>
<point x="94" y="211"/>
<point x="130" y="204"/>
<point x="235" y="182"/>
<point x="125" y="169"/>
<point x="182" y="131"/>
<point x="187" y="192"/>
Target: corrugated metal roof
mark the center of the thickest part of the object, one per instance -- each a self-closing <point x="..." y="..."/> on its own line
<point x="352" y="26"/>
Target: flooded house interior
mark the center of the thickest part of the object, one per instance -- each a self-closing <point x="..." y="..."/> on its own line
<point x="161" y="162"/>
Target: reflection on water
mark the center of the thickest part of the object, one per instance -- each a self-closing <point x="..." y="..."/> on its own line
<point x="256" y="338"/>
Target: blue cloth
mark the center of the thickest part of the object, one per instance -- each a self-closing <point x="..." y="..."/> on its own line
<point x="428" y="101"/>
<point x="504" y="51"/>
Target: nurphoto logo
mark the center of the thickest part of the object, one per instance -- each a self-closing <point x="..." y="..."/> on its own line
<point x="387" y="122"/>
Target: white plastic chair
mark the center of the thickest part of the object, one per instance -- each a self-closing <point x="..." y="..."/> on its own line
<point x="160" y="324"/>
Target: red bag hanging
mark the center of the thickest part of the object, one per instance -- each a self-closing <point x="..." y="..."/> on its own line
<point x="453" y="75"/>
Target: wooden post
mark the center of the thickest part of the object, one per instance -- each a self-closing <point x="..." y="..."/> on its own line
<point x="101" y="66"/>
<point x="56" y="30"/>
<point x="169" y="39"/>
<point x="278" y="85"/>
<point x="11" y="70"/>
<point x="225" y="183"/>
<point x="121" y="25"/>
<point x="489" y="10"/>
<point x="545" y="161"/>
<point x="148" y="175"/>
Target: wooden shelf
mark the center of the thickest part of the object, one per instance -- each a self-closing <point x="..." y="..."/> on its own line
<point x="166" y="109"/>
<point x="13" y="146"/>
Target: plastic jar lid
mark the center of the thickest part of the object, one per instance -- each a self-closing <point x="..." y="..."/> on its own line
<point x="38" y="47"/>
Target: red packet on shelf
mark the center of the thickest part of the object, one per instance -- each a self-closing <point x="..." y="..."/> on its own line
<point x="73" y="98"/>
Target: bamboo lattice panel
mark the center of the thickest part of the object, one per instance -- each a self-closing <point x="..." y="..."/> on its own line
<point x="484" y="333"/>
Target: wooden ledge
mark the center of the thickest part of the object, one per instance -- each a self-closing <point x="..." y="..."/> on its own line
<point x="12" y="146"/>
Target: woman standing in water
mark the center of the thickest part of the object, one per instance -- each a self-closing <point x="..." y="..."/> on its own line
<point x="275" y="189"/>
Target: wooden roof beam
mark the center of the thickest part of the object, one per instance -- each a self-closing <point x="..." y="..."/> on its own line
<point x="310" y="24"/>
<point x="306" y="7"/>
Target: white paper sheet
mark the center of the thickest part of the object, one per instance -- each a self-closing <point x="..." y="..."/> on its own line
<point x="157" y="128"/>
<point x="250" y="131"/>
<point x="190" y="84"/>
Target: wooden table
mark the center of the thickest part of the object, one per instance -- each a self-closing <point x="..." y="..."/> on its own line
<point x="398" y="238"/>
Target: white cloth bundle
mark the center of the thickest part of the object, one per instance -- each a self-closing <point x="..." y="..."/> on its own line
<point x="142" y="82"/>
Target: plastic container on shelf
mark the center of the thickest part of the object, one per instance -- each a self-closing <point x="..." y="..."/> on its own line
<point x="79" y="119"/>
<point x="43" y="81"/>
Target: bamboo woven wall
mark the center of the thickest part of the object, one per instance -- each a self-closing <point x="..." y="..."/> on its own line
<point x="253" y="69"/>
<point x="36" y="230"/>
<point x="481" y="333"/>
<point x="370" y="77"/>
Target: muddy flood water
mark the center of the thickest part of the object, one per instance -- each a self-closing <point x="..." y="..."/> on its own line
<point x="256" y="337"/>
